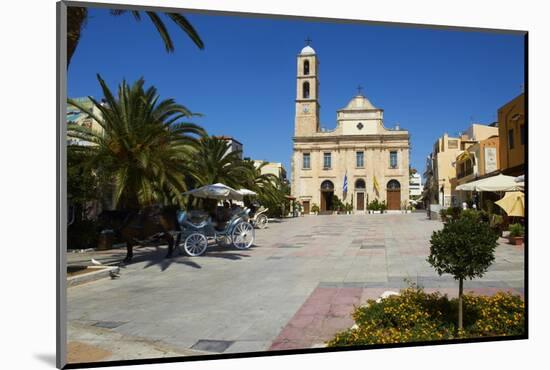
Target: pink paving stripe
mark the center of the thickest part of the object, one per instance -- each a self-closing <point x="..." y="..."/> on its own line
<point x="327" y="311"/>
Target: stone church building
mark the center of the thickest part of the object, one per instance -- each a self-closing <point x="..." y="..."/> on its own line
<point x="371" y="159"/>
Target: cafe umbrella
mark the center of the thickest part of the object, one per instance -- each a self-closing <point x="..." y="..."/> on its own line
<point x="513" y="203"/>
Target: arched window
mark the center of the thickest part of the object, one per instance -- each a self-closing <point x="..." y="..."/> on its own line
<point x="360" y="184"/>
<point x="305" y="90"/>
<point x="306" y="67"/>
<point x="393" y="185"/>
<point x="327" y="185"/>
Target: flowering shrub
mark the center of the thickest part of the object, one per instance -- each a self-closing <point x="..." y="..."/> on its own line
<point x="418" y="316"/>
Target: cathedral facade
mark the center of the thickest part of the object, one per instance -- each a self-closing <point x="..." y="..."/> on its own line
<point x="358" y="161"/>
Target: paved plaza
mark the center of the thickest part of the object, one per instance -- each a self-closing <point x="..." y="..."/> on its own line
<point x="295" y="288"/>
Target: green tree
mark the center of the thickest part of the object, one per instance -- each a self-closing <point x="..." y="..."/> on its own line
<point x="464" y="248"/>
<point x="270" y="189"/>
<point x="213" y="163"/>
<point x="77" y="17"/>
<point x="143" y="147"/>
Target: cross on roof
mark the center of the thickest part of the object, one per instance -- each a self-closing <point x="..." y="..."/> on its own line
<point x="308" y="41"/>
<point x="359" y="89"/>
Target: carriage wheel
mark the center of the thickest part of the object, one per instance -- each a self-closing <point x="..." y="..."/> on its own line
<point x="195" y="244"/>
<point x="262" y="221"/>
<point x="243" y="235"/>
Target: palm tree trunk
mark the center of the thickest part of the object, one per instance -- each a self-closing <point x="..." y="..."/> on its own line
<point x="76" y="18"/>
<point x="460" y="290"/>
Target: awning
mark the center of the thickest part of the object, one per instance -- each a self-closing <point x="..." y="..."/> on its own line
<point x="499" y="182"/>
<point x="520" y="180"/>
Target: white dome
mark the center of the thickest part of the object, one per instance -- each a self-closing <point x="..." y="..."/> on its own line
<point x="307" y="50"/>
<point x="359" y="102"/>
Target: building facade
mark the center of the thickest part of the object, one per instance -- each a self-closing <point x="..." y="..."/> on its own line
<point x="415" y="185"/>
<point x="358" y="161"/>
<point x="442" y="166"/>
<point x="273" y="168"/>
<point x="512" y="133"/>
<point x="76" y="117"/>
<point x="233" y="145"/>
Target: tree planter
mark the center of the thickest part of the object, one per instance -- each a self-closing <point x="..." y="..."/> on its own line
<point x="515" y="240"/>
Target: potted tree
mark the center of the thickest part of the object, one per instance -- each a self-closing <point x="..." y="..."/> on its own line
<point x="383" y="207"/>
<point x="315" y="209"/>
<point x="517" y="232"/>
<point x="464" y="248"/>
<point x="375" y="206"/>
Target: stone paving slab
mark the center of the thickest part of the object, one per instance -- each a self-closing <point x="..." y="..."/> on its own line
<point x="268" y="296"/>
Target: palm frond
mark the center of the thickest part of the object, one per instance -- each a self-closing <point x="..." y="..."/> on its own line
<point x="163" y="32"/>
<point x="187" y="27"/>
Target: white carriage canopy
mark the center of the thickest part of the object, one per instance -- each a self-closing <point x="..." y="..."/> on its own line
<point x="215" y="191"/>
<point x="246" y="192"/>
<point x="496" y="183"/>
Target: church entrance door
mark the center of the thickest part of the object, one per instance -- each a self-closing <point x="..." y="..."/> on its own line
<point x="393" y="195"/>
<point x="327" y="192"/>
<point x="360" y="201"/>
<point x="306" y="207"/>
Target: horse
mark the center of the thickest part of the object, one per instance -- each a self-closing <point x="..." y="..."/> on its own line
<point x="139" y="227"/>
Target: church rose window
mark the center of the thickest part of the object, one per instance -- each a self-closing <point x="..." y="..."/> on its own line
<point x="305" y="91"/>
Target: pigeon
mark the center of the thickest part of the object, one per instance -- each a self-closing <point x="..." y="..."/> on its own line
<point x="114" y="274"/>
<point x="96" y="262"/>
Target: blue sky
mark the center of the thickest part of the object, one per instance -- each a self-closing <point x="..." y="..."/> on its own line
<point x="243" y="82"/>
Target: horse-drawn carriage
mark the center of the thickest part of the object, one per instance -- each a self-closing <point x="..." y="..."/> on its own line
<point x="193" y="230"/>
<point x="197" y="229"/>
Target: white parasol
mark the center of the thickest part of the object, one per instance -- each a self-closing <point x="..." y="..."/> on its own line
<point x="495" y="183"/>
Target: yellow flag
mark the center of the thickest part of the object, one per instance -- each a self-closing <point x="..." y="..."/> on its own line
<point x="375" y="183"/>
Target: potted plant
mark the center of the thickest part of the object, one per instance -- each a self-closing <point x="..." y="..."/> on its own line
<point x="349" y="208"/>
<point x="517" y="232"/>
<point x="375" y="206"/>
<point x="315" y="208"/>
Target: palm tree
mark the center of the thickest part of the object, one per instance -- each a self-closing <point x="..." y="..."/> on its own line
<point x="213" y="163"/>
<point x="267" y="185"/>
<point x="270" y="189"/>
<point x="77" y="18"/>
<point x="143" y="145"/>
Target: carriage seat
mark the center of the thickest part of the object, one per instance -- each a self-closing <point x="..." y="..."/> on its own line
<point x="197" y="219"/>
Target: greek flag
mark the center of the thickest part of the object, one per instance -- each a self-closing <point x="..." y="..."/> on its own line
<point x="346" y="183"/>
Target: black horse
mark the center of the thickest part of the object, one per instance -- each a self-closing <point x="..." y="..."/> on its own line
<point x="140" y="227"/>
